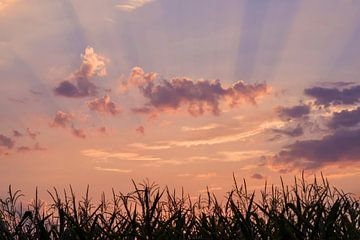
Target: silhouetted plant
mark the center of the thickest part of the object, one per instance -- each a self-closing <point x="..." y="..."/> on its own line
<point x="302" y="211"/>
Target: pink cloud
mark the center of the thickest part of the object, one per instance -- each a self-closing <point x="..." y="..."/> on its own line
<point x="103" y="105"/>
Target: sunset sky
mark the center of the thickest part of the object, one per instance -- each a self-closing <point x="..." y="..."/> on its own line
<point x="182" y="92"/>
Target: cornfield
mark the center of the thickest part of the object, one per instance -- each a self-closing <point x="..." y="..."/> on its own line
<point x="304" y="210"/>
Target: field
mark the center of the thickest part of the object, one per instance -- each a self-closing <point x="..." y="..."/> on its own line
<point x="304" y="210"/>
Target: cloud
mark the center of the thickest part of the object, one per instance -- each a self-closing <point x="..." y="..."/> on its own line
<point x="31" y="133"/>
<point x="37" y="147"/>
<point x="198" y="96"/>
<point x="201" y="128"/>
<point x="77" y="132"/>
<point x="345" y="118"/>
<point x="34" y="92"/>
<point x="6" y="142"/>
<point x="240" y="156"/>
<point x="210" y="189"/>
<point x="293" y="112"/>
<point x="291" y="132"/>
<point x="65" y="120"/>
<point x="61" y="119"/>
<point x="103" y="105"/>
<point x="335" y="96"/>
<point x="206" y="175"/>
<point x="138" y="78"/>
<point x="101" y="154"/>
<point x="140" y="130"/>
<point x="117" y="170"/>
<point x="149" y="147"/>
<point x="132" y="5"/>
<point x="338" y="84"/>
<point x="257" y="176"/>
<point x="341" y="146"/>
<point x="22" y="101"/>
<point x="228" y="138"/>
<point x="25" y="149"/>
<point x="79" y="83"/>
<point x="17" y="133"/>
<point x="102" y="130"/>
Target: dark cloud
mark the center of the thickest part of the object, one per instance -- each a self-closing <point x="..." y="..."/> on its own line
<point x="198" y="96"/>
<point x="68" y="89"/>
<point x="257" y="176"/>
<point x="77" y="132"/>
<point x="6" y="142"/>
<point x="79" y="83"/>
<point x="61" y="119"/>
<point x="345" y="118"/>
<point x="291" y="132"/>
<point x="297" y="111"/>
<point x="337" y="147"/>
<point x="103" y="105"/>
<point x="335" y="96"/>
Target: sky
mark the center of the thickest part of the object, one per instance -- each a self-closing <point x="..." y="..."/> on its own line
<point x="180" y="92"/>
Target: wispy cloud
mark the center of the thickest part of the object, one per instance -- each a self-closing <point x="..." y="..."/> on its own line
<point x="101" y="154"/>
<point x="149" y="147"/>
<point x="132" y="5"/>
<point x="210" y="189"/>
<point x="228" y="138"/>
<point x="118" y="170"/>
<point x="198" y="175"/>
<point x="201" y="128"/>
<point x="206" y="175"/>
<point x="239" y="156"/>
